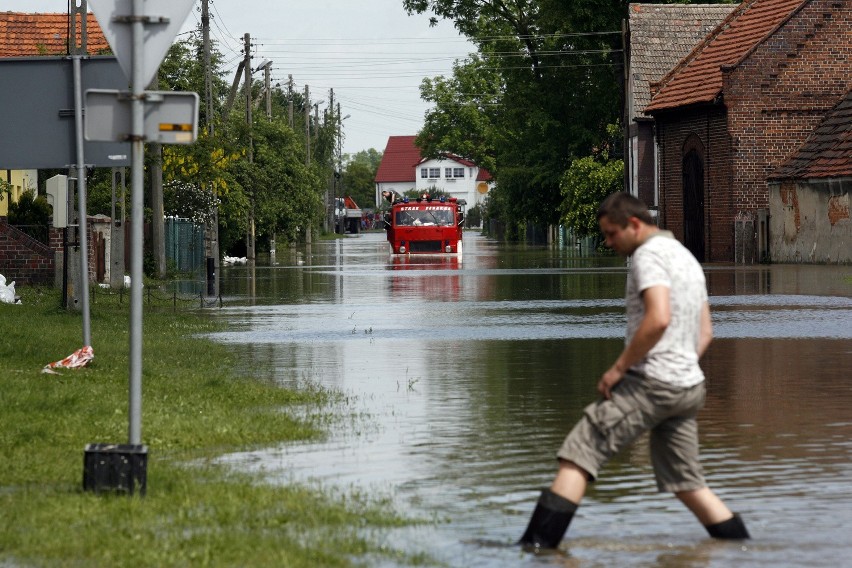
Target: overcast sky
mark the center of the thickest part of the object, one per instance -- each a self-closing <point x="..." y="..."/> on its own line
<point x="371" y="53"/>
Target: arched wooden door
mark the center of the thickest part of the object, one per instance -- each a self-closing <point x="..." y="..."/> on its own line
<point x="693" y="204"/>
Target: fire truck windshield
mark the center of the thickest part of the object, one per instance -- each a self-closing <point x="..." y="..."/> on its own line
<point x="430" y="216"/>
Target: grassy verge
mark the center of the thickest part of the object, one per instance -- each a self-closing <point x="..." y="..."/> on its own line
<point x="194" y="409"/>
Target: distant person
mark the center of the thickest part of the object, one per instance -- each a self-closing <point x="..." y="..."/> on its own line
<point x="655" y="383"/>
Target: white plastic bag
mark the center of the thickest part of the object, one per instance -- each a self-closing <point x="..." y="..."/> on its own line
<point x="7" y="292"/>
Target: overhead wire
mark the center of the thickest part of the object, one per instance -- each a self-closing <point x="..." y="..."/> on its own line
<point x="316" y="62"/>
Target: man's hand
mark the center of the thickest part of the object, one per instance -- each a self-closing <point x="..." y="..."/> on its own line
<point x="608" y="380"/>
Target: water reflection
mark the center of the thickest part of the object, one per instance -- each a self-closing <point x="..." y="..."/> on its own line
<point x="463" y="379"/>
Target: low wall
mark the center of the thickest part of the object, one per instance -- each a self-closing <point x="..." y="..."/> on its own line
<point x="810" y="221"/>
<point x="24" y="259"/>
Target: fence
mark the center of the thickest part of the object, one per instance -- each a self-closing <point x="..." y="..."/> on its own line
<point x="154" y="298"/>
<point x="184" y="244"/>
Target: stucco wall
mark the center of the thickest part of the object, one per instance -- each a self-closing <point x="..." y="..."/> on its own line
<point x="462" y="188"/>
<point x="810" y="221"/>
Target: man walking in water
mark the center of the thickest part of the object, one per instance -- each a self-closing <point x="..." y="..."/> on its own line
<point x="654" y="385"/>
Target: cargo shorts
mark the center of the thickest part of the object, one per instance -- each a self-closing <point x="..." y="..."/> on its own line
<point x="640" y="404"/>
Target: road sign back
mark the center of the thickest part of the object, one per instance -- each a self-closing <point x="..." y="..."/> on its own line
<point x="162" y="21"/>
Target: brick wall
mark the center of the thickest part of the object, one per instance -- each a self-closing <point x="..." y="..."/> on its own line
<point x="782" y="91"/>
<point x="772" y="100"/>
<point x="24" y="259"/>
<point x="28" y="261"/>
<point x="706" y="127"/>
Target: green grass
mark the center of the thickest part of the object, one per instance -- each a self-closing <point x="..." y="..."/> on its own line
<point x="194" y="409"/>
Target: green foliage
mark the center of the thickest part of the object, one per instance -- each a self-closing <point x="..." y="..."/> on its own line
<point x="359" y="174"/>
<point x="286" y="193"/>
<point x="358" y="183"/>
<point x="370" y="158"/>
<point x="586" y="183"/>
<point x="31" y="215"/>
<point x="466" y="113"/>
<point x="242" y="170"/>
<point x="473" y="216"/>
<point x="540" y="92"/>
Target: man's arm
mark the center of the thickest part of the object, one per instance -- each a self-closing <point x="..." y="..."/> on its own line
<point x="654" y="323"/>
<point x="705" y="334"/>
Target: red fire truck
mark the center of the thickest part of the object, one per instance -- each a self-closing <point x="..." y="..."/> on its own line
<point x="425" y="225"/>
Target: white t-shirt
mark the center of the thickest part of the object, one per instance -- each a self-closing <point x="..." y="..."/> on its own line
<point x="663" y="261"/>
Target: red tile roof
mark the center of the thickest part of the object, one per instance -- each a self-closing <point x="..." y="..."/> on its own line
<point x="23" y="34"/>
<point x="399" y="160"/>
<point x="660" y="36"/>
<point x="827" y="152"/>
<point x="484" y="175"/>
<point x="402" y="156"/>
<point x="698" y="77"/>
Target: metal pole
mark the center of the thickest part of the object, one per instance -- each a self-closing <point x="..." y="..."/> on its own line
<point x="137" y="87"/>
<point x="81" y="200"/>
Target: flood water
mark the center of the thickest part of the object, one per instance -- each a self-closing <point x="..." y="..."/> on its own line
<point x="461" y="380"/>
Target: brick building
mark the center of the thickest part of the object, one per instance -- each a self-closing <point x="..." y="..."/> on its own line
<point x="741" y="103"/>
<point x="658" y="36"/>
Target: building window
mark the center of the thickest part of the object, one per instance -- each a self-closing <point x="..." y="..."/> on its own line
<point x="434" y="173"/>
<point x="424" y="172"/>
<point x="448" y="173"/>
<point x="457" y="172"/>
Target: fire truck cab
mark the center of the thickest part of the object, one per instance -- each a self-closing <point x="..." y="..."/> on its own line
<point x="425" y="225"/>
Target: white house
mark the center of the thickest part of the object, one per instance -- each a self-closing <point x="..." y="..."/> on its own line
<point x="403" y="169"/>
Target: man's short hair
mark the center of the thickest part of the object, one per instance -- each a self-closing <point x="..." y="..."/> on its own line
<point x="621" y="206"/>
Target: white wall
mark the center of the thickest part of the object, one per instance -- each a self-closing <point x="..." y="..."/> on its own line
<point x="461" y="188"/>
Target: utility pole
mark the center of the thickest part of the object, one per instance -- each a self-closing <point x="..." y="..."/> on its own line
<point x="158" y="230"/>
<point x="332" y="201"/>
<point x="307" y="126"/>
<point x="211" y="228"/>
<point x="247" y="71"/>
<point x="290" y="99"/>
<point x="208" y="72"/>
<point x="267" y="69"/>
<point x="338" y="166"/>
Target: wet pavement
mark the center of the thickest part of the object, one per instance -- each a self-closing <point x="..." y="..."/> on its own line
<point x="462" y="377"/>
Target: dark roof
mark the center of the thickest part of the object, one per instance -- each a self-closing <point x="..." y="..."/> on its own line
<point x="28" y="35"/>
<point x="827" y="152"/>
<point x="399" y="160"/>
<point x="698" y="77"/>
<point x="660" y="36"/>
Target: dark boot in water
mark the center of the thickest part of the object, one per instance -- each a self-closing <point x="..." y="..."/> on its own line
<point x="733" y="528"/>
<point x="549" y="521"/>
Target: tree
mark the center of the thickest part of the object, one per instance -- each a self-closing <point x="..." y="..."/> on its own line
<point x="551" y="71"/>
<point x="31" y="214"/>
<point x="586" y="183"/>
<point x="286" y="193"/>
<point x="359" y="176"/>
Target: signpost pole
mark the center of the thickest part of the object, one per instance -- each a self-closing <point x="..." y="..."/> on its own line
<point x="137" y="86"/>
<point x="173" y="119"/>
<point x="83" y="228"/>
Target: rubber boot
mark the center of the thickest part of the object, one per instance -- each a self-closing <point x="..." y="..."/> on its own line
<point x="549" y="521"/>
<point x="733" y="528"/>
